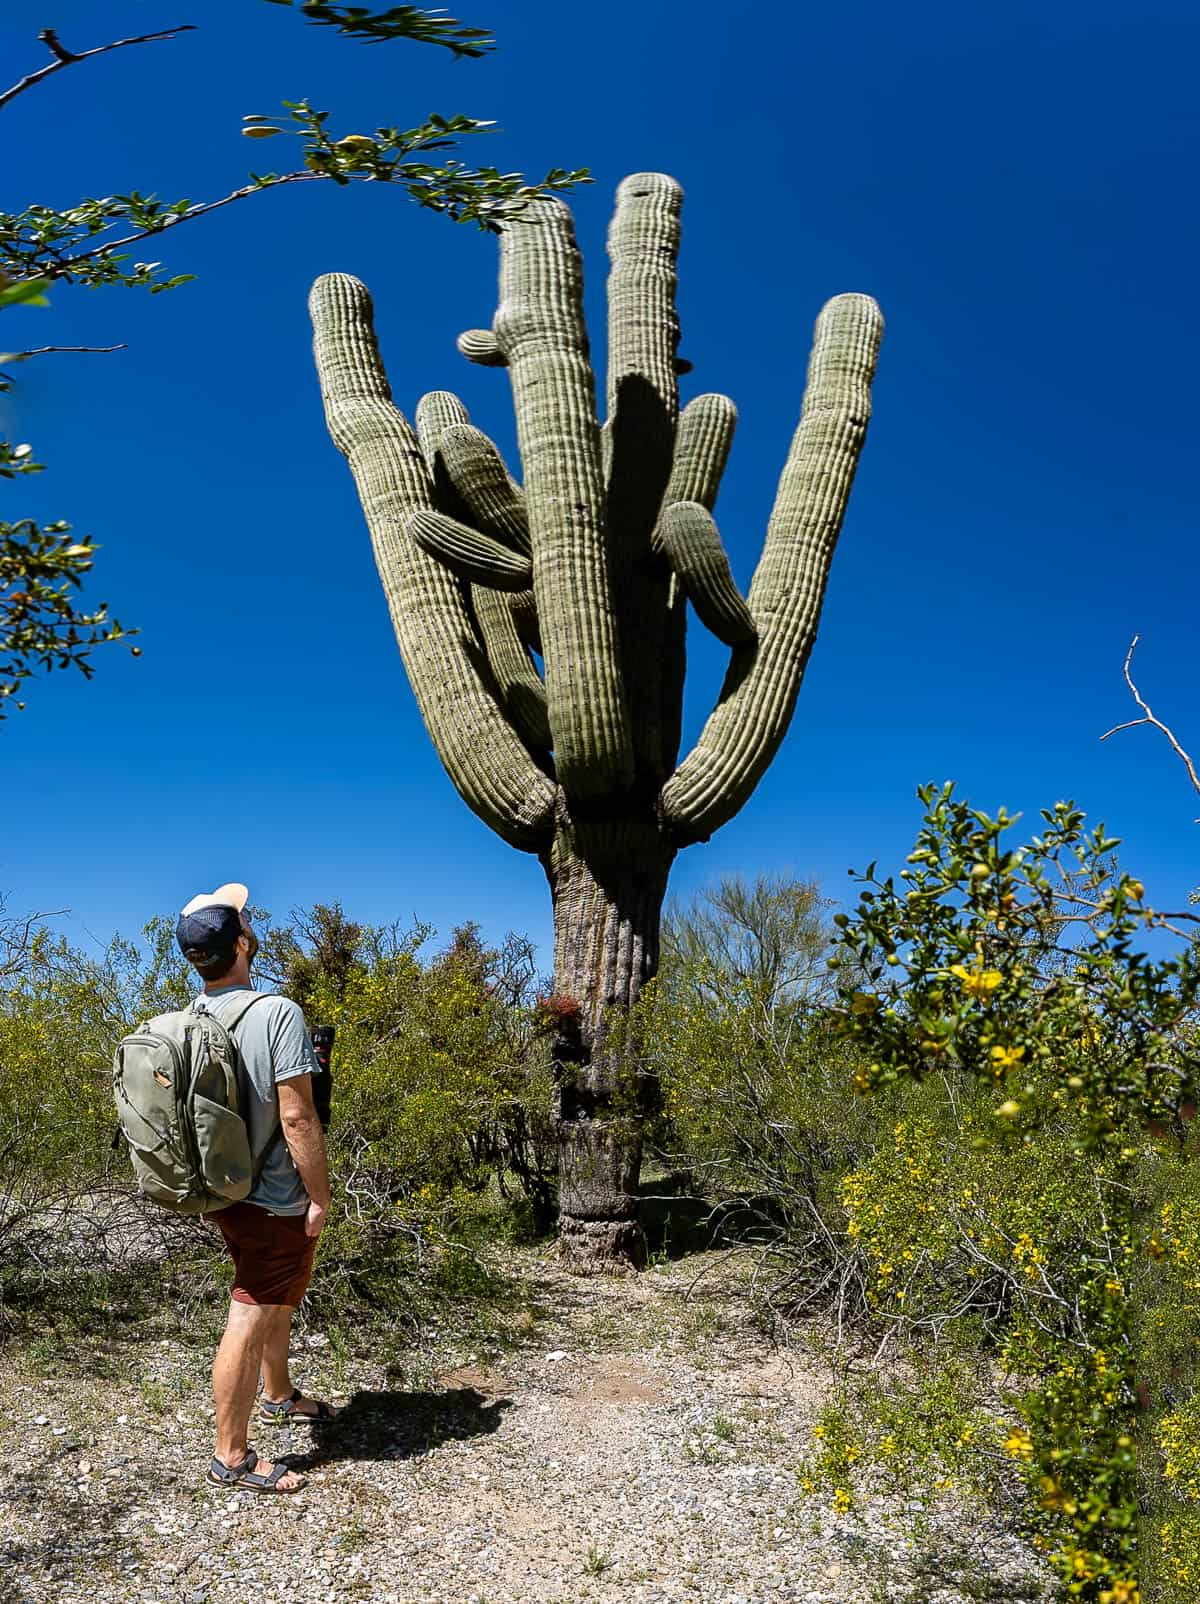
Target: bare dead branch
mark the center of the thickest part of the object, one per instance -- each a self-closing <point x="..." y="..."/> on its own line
<point x="1149" y="718"/>
<point x="45" y="350"/>
<point x="67" y="58"/>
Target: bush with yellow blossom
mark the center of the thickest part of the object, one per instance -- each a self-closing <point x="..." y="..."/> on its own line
<point x="1025" y="972"/>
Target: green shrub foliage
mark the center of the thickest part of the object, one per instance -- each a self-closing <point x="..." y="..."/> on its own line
<point x="1037" y="974"/>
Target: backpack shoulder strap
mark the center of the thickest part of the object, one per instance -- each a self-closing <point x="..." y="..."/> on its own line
<point x="199" y="1006"/>
<point x="232" y="1023"/>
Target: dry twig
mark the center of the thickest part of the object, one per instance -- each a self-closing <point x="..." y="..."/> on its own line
<point x="1149" y="718"/>
<point x="67" y="58"/>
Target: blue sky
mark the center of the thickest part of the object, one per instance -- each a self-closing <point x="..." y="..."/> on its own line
<point x="1014" y="186"/>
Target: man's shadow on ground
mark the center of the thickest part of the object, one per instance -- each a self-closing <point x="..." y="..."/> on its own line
<point x="390" y="1425"/>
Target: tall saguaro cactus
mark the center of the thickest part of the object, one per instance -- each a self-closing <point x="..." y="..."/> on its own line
<point x="587" y="567"/>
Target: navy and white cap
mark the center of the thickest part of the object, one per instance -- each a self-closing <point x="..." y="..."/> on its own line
<point x="210" y="924"/>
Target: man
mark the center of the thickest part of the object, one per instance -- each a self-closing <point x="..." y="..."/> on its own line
<point x="271" y="1235"/>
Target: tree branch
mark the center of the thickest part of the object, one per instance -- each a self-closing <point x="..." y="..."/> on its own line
<point x="45" y="350"/>
<point x="170" y="220"/>
<point x="1149" y="718"/>
<point x="66" y="58"/>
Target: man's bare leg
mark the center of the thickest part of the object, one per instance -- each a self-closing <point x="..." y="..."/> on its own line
<point x="277" y="1378"/>
<point x="235" y="1382"/>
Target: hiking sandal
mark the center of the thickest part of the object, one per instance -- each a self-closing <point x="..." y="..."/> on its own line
<point x="286" y="1409"/>
<point x="244" y="1475"/>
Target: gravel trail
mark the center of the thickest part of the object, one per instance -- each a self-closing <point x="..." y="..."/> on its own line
<point x="637" y="1444"/>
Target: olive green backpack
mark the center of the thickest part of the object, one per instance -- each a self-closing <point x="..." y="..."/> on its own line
<point x="178" y="1084"/>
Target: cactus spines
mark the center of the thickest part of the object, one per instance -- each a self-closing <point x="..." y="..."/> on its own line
<point x="590" y="564"/>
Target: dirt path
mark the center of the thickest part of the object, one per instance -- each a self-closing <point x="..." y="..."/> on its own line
<point x="637" y="1445"/>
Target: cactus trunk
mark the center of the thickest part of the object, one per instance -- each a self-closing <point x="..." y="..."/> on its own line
<point x="543" y="624"/>
<point x="607" y="882"/>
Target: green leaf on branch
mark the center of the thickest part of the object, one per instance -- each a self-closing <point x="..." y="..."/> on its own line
<point x="42" y="244"/>
<point x="397" y="22"/>
<point x="27" y="292"/>
<point x="41" y="625"/>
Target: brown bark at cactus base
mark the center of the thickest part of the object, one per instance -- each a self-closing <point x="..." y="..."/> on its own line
<point x="607" y="880"/>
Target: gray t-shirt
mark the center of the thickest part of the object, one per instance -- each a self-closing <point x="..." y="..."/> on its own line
<point x="273" y="1041"/>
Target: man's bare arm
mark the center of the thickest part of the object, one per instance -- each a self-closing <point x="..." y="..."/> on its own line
<point x="306" y="1142"/>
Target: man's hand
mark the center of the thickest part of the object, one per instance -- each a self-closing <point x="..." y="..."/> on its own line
<point x="315" y="1218"/>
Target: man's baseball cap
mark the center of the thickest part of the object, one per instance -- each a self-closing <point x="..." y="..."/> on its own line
<point x="209" y="925"/>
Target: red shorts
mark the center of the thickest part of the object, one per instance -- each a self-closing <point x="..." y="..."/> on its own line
<point x="272" y="1254"/>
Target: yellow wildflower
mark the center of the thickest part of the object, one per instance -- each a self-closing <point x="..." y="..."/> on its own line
<point x="1122" y="1593"/>
<point x="977" y="981"/>
<point x="1007" y="1057"/>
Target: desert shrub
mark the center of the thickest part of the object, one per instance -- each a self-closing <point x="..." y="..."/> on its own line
<point x="440" y="1079"/>
<point x="752" y="1106"/>
<point x="69" y="1243"/>
<point x="61" y="1014"/>
<point x="1165" y="1312"/>
<point x="439" y="1124"/>
<point x="979" y="1219"/>
<point x="925" y="1427"/>
<point x="440" y="1095"/>
<point x="1032" y="972"/>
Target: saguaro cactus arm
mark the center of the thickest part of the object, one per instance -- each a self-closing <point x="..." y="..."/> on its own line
<point x="479" y="476"/>
<point x="643" y="333"/>
<point x="540" y="331"/>
<point x="470" y="475"/>
<point x="518" y="681"/>
<point x="481" y="345"/>
<point x="469" y="554"/>
<point x="702" y="443"/>
<point x="454" y="687"/>
<point x="693" y="548"/>
<point x="638" y="445"/>
<point x="743" y="733"/>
